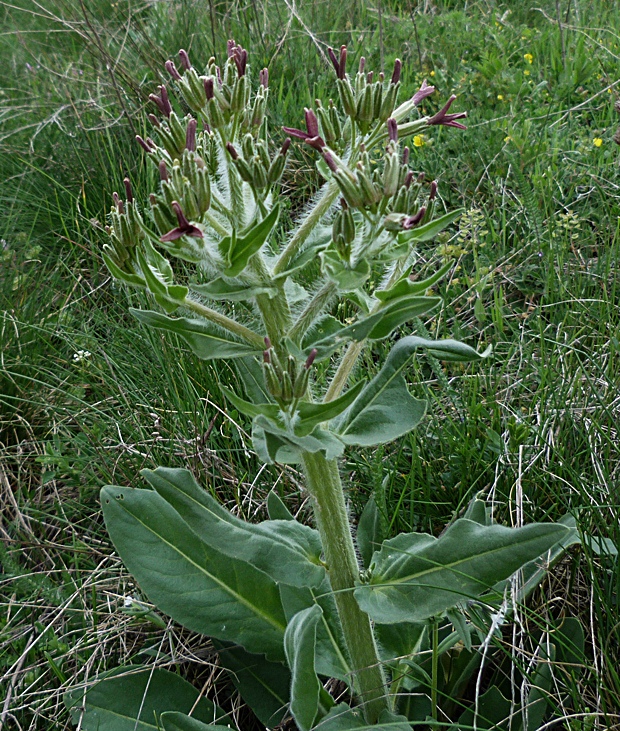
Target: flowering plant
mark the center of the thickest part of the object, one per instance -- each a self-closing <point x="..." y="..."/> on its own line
<point x="289" y="606"/>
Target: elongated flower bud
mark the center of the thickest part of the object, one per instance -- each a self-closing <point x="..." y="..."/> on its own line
<point x="185" y="62"/>
<point x="172" y="70"/>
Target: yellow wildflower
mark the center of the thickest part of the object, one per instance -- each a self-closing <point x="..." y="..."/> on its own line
<point x="597" y="141"/>
<point x="529" y="58"/>
<point x="500" y="97"/>
<point x="433" y="74"/>
<point x="508" y="138"/>
<point x="418" y="141"/>
<point x="526" y="72"/>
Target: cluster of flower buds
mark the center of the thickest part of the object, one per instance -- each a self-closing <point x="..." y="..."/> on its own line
<point x="125" y="231"/>
<point x="343" y="231"/>
<point x="221" y="94"/>
<point x="367" y="100"/>
<point x="287" y="384"/>
<point x="254" y="164"/>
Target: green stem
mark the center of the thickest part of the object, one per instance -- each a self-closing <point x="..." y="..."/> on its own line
<point x="323" y="484"/>
<point x="330" y="193"/>
<point x="226" y="322"/>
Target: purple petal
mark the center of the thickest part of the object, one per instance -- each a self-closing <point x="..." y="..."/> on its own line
<point x="398" y="65"/>
<point x="392" y="127"/>
<point x="185" y="62"/>
<point x="312" y="124"/>
<point x="424" y="91"/>
<point x="172" y="70"/>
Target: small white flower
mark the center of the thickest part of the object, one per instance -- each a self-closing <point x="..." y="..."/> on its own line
<point x="81" y="355"/>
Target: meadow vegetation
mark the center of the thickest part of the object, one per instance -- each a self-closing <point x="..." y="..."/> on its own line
<point x="87" y="397"/>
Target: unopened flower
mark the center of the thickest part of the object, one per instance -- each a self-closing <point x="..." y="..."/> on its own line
<point x="392" y="127"/>
<point x="185" y="228"/>
<point x="185" y="62"/>
<point x="424" y="91"/>
<point x="339" y="64"/>
<point x="162" y="101"/>
<point x="172" y="70"/>
<point x="448" y="120"/>
<point x="311" y="137"/>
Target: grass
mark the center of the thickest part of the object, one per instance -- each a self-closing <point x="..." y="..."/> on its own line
<point x="535" y="431"/>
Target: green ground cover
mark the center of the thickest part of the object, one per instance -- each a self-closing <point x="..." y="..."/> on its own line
<point x="87" y="397"/>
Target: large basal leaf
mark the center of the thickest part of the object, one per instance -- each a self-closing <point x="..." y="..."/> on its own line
<point x="493" y="713"/>
<point x="343" y="718"/>
<point x="132" y="699"/>
<point x="202" y="338"/>
<point x="299" y="642"/>
<point x="385" y="409"/>
<point x="175" y="721"/>
<point x="416" y="576"/>
<point x="199" y="587"/>
<point x="285" y="550"/>
<point x="265" y="686"/>
<point x="329" y="656"/>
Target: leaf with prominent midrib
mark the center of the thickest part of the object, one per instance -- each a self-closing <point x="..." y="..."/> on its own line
<point x="416" y="576"/>
<point x="343" y="718"/>
<point x="199" y="587"/>
<point x="175" y="721"/>
<point x="132" y="699"/>
<point x="203" y="339"/>
<point x="286" y="550"/>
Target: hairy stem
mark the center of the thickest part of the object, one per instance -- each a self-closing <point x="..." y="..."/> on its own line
<point x="330" y="193"/>
<point x="323" y="484"/>
<point x="225" y="322"/>
<point x="312" y="310"/>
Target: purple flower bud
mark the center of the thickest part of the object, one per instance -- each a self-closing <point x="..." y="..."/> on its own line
<point x="267" y="342"/>
<point x="433" y="191"/>
<point x="144" y="145"/>
<point x="162" y="101"/>
<point x="343" y="62"/>
<point x="312" y="124"/>
<point x="116" y="199"/>
<point x="153" y="199"/>
<point x="154" y="121"/>
<point x="369" y="76"/>
<point x="414" y="220"/>
<point x="396" y="73"/>
<point x="190" y="135"/>
<point x="163" y="171"/>
<point x="230" y="47"/>
<point x="424" y="91"/>
<point x="405" y="156"/>
<point x="421" y="177"/>
<point x="128" y="190"/>
<point x="185" y="228"/>
<point x="331" y="163"/>
<point x="263" y="77"/>
<point x="392" y="127"/>
<point x="408" y="179"/>
<point x="172" y="70"/>
<point x="185" y="62"/>
<point x="231" y="149"/>
<point x="448" y="120"/>
<point x="208" y="84"/>
<point x="206" y="127"/>
<point x="334" y="60"/>
<point x="310" y="359"/>
<point x="362" y="64"/>
<point x="266" y="356"/>
<point x="240" y="57"/>
<point x="285" y="145"/>
<point x="218" y="76"/>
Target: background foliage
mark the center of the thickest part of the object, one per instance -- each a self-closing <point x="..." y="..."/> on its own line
<point x="86" y="397"/>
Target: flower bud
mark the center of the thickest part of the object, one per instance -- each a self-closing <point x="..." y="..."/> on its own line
<point x="172" y="70"/>
<point x="185" y="60"/>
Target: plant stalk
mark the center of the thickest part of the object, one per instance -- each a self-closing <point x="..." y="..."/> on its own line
<point x="236" y="328"/>
<point x="324" y="485"/>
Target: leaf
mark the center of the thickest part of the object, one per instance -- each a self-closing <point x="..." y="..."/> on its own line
<point x="275" y="444"/>
<point x="318" y="240"/>
<point x="477" y="511"/>
<point x="399" y="312"/>
<point x="220" y="289"/>
<point x="206" y="342"/>
<point x="429" y="230"/>
<point x="175" y="721"/>
<point x="263" y="685"/>
<point x="385" y="409"/>
<point x="342" y="718"/>
<point x="540" y="687"/>
<point x="276" y="508"/>
<point x="493" y="713"/>
<point x="270" y="410"/>
<point x="299" y="643"/>
<point x="132" y="698"/>
<point x="238" y="250"/>
<point x="370" y="534"/>
<point x="401" y="640"/>
<point x="285" y="550"/>
<point x="406" y="287"/>
<point x="199" y="587"/>
<point x="311" y="415"/>
<point x="346" y="277"/>
<point x="416" y="576"/>
<point x="330" y="659"/>
<point x="251" y="373"/>
<point x="136" y="280"/>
